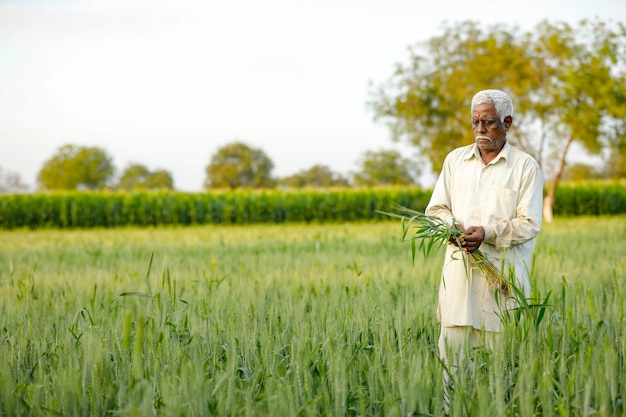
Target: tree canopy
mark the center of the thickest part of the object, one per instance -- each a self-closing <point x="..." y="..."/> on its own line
<point x="75" y="167"/>
<point x="385" y="167"/>
<point x="568" y="83"/>
<point x="237" y="165"/>
<point x="139" y="177"/>
<point x="318" y="176"/>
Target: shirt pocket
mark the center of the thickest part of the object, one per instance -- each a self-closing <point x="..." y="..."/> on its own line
<point x="502" y="203"/>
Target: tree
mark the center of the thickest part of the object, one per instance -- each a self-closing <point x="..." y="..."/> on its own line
<point x="75" y="167"/>
<point x="134" y="177"/>
<point x="160" y="179"/>
<point x="427" y="102"/>
<point x="318" y="176"/>
<point x="139" y="177"/>
<point x="11" y="182"/>
<point x="581" y="172"/>
<point x="237" y="165"/>
<point x="567" y="84"/>
<point x="616" y="167"/>
<point x="586" y="85"/>
<point x="385" y="167"/>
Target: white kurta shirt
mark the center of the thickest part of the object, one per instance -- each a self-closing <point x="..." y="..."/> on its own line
<point x="506" y="198"/>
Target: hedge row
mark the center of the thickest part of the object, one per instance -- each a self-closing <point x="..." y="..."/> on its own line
<point x="592" y="198"/>
<point x="105" y="209"/>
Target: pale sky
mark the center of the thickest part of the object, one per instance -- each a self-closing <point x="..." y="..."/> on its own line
<point x="165" y="83"/>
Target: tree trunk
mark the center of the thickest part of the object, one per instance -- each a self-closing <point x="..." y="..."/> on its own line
<point x="548" y="201"/>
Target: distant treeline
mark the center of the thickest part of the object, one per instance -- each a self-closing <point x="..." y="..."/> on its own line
<point x="107" y="209"/>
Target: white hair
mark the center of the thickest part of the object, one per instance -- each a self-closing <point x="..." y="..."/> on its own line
<point x="501" y="100"/>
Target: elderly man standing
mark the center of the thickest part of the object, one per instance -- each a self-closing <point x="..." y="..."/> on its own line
<point x="494" y="192"/>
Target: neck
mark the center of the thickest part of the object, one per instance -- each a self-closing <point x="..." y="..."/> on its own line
<point x="489" y="155"/>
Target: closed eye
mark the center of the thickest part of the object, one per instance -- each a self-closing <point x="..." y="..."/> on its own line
<point x="487" y="123"/>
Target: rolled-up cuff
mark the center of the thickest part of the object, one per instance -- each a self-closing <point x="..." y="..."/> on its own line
<point x="490" y="234"/>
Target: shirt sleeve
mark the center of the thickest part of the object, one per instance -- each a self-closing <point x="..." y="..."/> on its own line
<point x="440" y="203"/>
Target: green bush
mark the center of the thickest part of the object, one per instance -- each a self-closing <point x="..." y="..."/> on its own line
<point x="590" y="198"/>
<point x="108" y="209"/>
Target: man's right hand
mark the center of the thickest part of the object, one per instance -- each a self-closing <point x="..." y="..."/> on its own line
<point x="453" y="239"/>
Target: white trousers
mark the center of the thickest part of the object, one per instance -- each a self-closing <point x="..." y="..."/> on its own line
<point x="454" y="342"/>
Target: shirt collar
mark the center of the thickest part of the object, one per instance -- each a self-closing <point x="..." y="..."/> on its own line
<point x="504" y="153"/>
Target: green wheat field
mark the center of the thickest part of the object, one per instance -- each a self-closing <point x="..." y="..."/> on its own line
<point x="296" y="320"/>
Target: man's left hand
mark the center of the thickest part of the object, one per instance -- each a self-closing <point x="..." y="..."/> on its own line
<point x="474" y="236"/>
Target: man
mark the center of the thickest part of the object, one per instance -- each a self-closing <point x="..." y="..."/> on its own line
<point x="494" y="192"/>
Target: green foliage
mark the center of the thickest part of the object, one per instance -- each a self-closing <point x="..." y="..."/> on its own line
<point x="318" y="176"/>
<point x="432" y="232"/>
<point x="133" y="177"/>
<point x="138" y="177"/>
<point x="427" y="102"/>
<point x="238" y="165"/>
<point x="227" y="207"/>
<point x="581" y="172"/>
<point x="591" y="198"/>
<point x="567" y="83"/>
<point x="109" y="209"/>
<point x="75" y="167"/>
<point x="586" y="82"/>
<point x="297" y="320"/>
<point x="160" y="179"/>
<point x="386" y="167"/>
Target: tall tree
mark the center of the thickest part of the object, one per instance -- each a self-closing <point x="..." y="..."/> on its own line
<point x="139" y="177"/>
<point x="385" y="167"/>
<point x="427" y="102"/>
<point x="75" y="167"/>
<point x="11" y="182"/>
<point x="567" y="84"/>
<point x="237" y="165"/>
<point x="318" y="176"/>
<point x="586" y="87"/>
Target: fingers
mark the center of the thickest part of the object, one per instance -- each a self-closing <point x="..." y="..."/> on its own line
<point x="473" y="238"/>
<point x="455" y="239"/>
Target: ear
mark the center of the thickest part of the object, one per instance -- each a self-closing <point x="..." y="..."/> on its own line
<point x="508" y="121"/>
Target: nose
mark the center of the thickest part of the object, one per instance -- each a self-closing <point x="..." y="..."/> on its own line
<point x="480" y="126"/>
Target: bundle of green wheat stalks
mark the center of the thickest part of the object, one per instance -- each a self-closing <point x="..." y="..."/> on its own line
<point x="430" y="230"/>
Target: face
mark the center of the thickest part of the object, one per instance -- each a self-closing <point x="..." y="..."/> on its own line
<point x="489" y="131"/>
